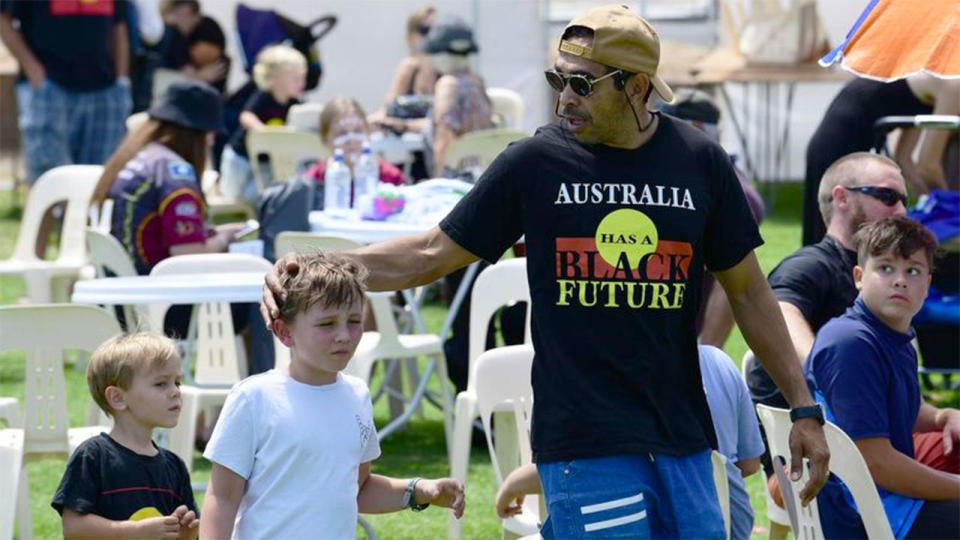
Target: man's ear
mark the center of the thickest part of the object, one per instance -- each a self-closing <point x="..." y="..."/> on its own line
<point x="637" y="85"/>
<point x="839" y="196"/>
<point x="115" y="397"/>
<point x="282" y="330"/>
<point x="858" y="277"/>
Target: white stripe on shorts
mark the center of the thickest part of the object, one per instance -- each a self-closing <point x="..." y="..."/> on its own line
<point x="617" y="503"/>
<point x="590" y="527"/>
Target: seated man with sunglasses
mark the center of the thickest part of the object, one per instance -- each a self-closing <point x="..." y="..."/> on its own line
<point x="622" y="208"/>
<point x="815" y="283"/>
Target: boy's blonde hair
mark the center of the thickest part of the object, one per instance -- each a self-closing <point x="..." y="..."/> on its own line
<point x="118" y="359"/>
<point x="327" y="279"/>
<point x="273" y="58"/>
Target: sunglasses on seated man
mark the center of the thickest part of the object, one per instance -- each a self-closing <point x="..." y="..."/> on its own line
<point x="582" y="85"/>
<point x="887" y="196"/>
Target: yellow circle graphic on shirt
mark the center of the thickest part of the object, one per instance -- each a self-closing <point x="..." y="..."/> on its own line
<point x="628" y="232"/>
<point x="146" y="512"/>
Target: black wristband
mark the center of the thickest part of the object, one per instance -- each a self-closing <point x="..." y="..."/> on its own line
<point x="812" y="411"/>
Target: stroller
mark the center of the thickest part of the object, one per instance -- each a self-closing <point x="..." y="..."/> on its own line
<point x="938" y="322"/>
<point x="256" y="29"/>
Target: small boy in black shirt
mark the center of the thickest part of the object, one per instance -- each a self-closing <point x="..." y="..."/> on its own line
<point x="122" y="485"/>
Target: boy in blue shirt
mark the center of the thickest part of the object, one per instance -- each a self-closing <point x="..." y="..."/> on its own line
<point x="863" y="369"/>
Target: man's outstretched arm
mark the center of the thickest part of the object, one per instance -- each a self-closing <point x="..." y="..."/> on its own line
<point x="759" y="318"/>
<point x="398" y="264"/>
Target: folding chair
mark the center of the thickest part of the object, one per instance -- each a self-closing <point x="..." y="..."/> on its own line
<point x="497" y="286"/>
<point x="284" y="148"/>
<point x="46" y="432"/>
<point x="220" y="360"/>
<point x="477" y="149"/>
<point x="845" y="461"/>
<point x="503" y="386"/>
<point x="73" y="184"/>
<point x="508" y="105"/>
<point x="305" y="116"/>
<point x="775" y="513"/>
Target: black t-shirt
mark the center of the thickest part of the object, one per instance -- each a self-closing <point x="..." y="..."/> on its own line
<point x="818" y="280"/>
<point x="108" y="479"/>
<point x="268" y="110"/>
<point x="616" y="245"/>
<point x="73" y="39"/>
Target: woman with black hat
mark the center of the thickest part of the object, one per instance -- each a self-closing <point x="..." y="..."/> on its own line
<point x="460" y="103"/>
<point x="152" y="179"/>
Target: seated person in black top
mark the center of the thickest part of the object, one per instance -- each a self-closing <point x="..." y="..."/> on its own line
<point x="815" y="283"/>
<point x="122" y="484"/>
<point x="280" y="74"/>
<point x="194" y="43"/>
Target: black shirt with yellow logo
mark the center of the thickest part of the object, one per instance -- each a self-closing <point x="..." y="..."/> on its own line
<point x="616" y="245"/>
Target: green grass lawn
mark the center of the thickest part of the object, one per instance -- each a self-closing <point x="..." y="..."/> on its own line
<point x="416" y="450"/>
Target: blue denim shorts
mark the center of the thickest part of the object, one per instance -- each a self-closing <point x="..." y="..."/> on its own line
<point x="636" y="496"/>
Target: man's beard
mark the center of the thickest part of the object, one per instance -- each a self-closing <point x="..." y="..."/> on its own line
<point x="857" y="219"/>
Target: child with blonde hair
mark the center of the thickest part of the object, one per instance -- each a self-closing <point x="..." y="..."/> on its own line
<point x="121" y="484"/>
<point x="291" y="452"/>
<point x="280" y="74"/>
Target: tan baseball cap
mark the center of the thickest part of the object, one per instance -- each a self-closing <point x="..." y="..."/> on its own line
<point x="621" y="39"/>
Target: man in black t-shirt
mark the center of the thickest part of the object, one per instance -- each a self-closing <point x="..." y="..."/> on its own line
<point x="815" y="283"/>
<point x="73" y="92"/>
<point x="621" y="209"/>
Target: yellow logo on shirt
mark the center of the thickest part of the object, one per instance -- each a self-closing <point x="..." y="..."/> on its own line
<point x="146" y="512"/>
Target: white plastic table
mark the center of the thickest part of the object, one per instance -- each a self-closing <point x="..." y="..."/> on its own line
<point x="233" y="287"/>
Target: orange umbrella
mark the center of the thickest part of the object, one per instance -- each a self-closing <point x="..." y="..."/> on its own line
<point x="894" y="39"/>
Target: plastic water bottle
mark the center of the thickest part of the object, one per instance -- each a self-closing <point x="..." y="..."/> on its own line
<point x="366" y="174"/>
<point x="336" y="186"/>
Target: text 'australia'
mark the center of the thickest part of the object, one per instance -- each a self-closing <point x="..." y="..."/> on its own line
<point x="625" y="194"/>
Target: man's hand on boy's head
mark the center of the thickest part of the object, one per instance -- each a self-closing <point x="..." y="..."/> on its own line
<point x="445" y="492"/>
<point x="273" y="294"/>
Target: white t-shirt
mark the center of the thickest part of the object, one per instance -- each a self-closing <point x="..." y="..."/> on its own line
<point x="299" y="447"/>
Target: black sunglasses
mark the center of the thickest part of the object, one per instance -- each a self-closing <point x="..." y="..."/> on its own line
<point x="582" y="85"/>
<point x="887" y="196"/>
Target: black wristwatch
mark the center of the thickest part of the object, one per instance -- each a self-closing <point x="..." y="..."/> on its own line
<point x="813" y="411"/>
<point x="408" y="499"/>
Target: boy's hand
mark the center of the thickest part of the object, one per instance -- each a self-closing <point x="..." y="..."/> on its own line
<point x="509" y="501"/>
<point x="159" y="527"/>
<point x="951" y="431"/>
<point x="189" y="524"/>
<point x="445" y="492"/>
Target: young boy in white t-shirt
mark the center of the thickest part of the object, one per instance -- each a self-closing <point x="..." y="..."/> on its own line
<point x="291" y="451"/>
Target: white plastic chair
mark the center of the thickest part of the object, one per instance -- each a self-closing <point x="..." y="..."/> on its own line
<point x="845" y="461"/>
<point x="386" y="342"/>
<point x="499" y="285"/>
<point x="11" y="463"/>
<point x="10" y="412"/>
<point x="305" y="116"/>
<point x="502" y="378"/>
<point x="73" y="184"/>
<point x="508" y="105"/>
<point x="220" y="361"/>
<point x="722" y="484"/>
<point x="477" y="149"/>
<point x="284" y="148"/>
<point x="135" y="120"/>
<point x="775" y="513"/>
<point x="107" y="254"/>
<point x="46" y="432"/>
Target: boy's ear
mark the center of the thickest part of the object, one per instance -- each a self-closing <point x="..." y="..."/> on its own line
<point x="858" y="277"/>
<point x="282" y="330"/>
<point x="115" y="398"/>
